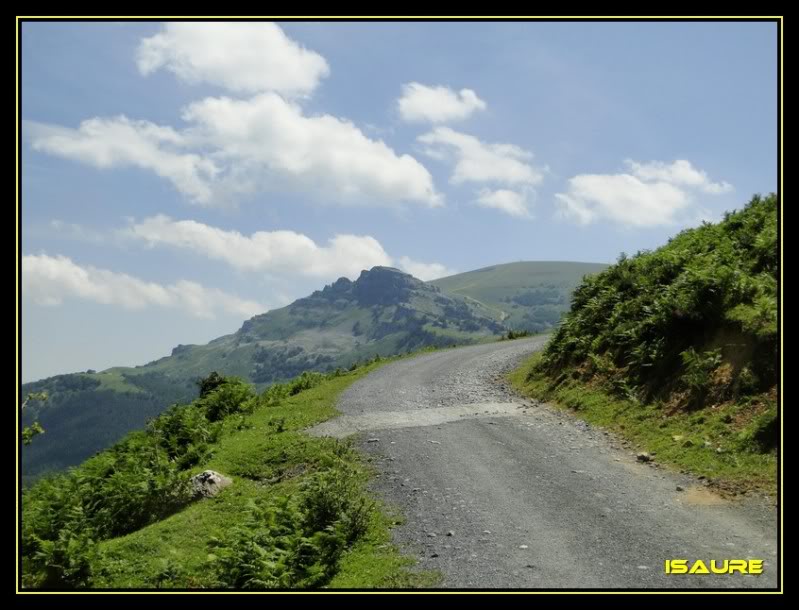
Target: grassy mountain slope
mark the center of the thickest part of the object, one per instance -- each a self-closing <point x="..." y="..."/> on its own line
<point x="383" y="312"/>
<point x="297" y="514"/>
<point x="523" y="296"/>
<point x="677" y="349"/>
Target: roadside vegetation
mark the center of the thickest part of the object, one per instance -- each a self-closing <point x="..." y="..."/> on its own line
<point x="516" y="334"/>
<point x="677" y="349"/>
<point x="297" y="515"/>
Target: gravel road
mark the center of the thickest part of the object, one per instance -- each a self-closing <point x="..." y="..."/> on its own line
<point x="502" y="492"/>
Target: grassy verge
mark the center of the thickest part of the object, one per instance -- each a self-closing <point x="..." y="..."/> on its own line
<point x="704" y="442"/>
<point x="298" y="514"/>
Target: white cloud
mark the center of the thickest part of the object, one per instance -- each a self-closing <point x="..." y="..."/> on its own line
<point x="120" y="142"/>
<point x="283" y="253"/>
<point x="621" y="198"/>
<point x="679" y="172"/>
<point x="477" y="161"/>
<point x="234" y="147"/>
<point x="510" y="202"/>
<point x="420" y="103"/>
<point x="279" y="252"/>
<point x="241" y="57"/>
<point x="48" y="280"/>
<point x="241" y="146"/>
<point x="268" y="138"/>
<point x="424" y="271"/>
<point x="654" y="194"/>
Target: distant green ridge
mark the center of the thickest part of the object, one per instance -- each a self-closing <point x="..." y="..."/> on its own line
<point x="522" y="296"/>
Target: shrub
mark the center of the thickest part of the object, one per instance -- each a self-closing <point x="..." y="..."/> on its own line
<point x="306" y="381"/>
<point x="698" y="371"/>
<point x="295" y="542"/>
<point x="333" y="497"/>
<point x="232" y="396"/>
<point x="63" y="562"/>
<point x="515" y="334"/>
<point x="208" y="384"/>
<point x="185" y="433"/>
<point x="658" y="317"/>
<point x="145" y="478"/>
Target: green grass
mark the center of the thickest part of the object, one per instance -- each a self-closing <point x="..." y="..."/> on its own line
<point x="268" y="457"/>
<point x="494" y="288"/>
<point x="677" y="440"/>
<point x="375" y="563"/>
<point x="490" y="284"/>
<point x="113" y="380"/>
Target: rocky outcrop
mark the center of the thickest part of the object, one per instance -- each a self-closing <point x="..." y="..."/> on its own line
<point x="208" y="484"/>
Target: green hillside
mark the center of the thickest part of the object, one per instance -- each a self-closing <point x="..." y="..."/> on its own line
<point x="523" y="296"/>
<point x="383" y="312"/>
<point x="297" y="513"/>
<point x="678" y="349"/>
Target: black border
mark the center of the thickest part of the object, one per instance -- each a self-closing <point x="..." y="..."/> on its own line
<point x="84" y="595"/>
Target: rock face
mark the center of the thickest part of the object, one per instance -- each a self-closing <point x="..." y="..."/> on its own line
<point x="208" y="484"/>
<point x="385" y="286"/>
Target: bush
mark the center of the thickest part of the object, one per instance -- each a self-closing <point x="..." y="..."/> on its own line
<point x="515" y="334"/>
<point x="145" y="477"/>
<point x="185" y="433"/>
<point x="208" y="384"/>
<point x="699" y="370"/>
<point x="306" y="381"/>
<point x="65" y="561"/>
<point x="134" y="483"/>
<point x="295" y="542"/>
<point x="232" y="396"/>
<point x="695" y="319"/>
<point x="57" y="541"/>
<point x="333" y="498"/>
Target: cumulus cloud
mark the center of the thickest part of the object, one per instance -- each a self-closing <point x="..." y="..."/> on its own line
<point x="420" y="103"/>
<point x="284" y="253"/>
<point x="121" y="142"/>
<point x="239" y="146"/>
<point x="622" y="198"/>
<point x="242" y="57"/>
<point x="424" y="271"/>
<point x="234" y="147"/>
<point x="277" y="252"/>
<point x="280" y="252"/>
<point x="476" y="161"/>
<point x="652" y="194"/>
<point x="680" y="172"/>
<point x="499" y="165"/>
<point x="328" y="155"/>
<point x="510" y="202"/>
<point x="48" y="280"/>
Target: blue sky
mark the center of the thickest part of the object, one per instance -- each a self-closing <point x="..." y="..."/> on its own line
<point x="179" y="178"/>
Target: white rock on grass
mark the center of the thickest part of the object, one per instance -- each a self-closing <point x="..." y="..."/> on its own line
<point x="208" y="484"/>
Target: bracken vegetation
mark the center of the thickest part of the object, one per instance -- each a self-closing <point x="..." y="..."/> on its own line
<point x="128" y="518"/>
<point x="688" y="331"/>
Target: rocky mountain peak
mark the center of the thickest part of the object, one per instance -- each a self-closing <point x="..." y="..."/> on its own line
<point x="384" y="286"/>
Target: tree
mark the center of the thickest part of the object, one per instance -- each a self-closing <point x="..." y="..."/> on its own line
<point x="35" y="429"/>
<point x="208" y="384"/>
